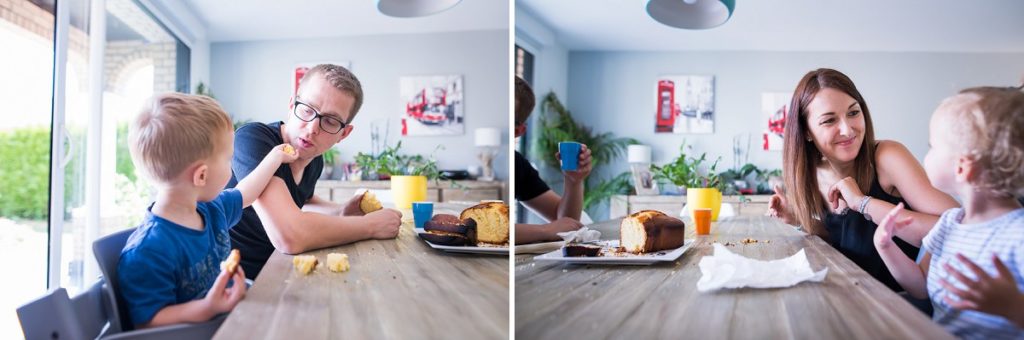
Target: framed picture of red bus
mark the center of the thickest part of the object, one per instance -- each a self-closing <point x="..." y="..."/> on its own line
<point x="685" y="104"/>
<point x="300" y="70"/>
<point x="775" y="108"/>
<point x="433" y="105"/>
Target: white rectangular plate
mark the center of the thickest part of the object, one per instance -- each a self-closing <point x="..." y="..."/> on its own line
<point x="464" y="249"/>
<point x="641" y="260"/>
<point x="538" y="248"/>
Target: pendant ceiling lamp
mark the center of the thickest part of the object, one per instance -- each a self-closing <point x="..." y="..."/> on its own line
<point x="691" y="14"/>
<point x="414" y="8"/>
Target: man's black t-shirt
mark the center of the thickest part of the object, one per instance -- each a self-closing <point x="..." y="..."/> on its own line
<point x="253" y="142"/>
<point x="528" y="182"/>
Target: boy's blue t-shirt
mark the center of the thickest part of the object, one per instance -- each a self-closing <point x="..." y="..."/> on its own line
<point x="164" y="263"/>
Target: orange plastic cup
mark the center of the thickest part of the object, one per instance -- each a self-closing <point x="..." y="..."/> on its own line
<point x="702" y="218"/>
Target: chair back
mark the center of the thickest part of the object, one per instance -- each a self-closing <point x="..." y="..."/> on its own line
<point x="50" y="317"/>
<point x="108" y="254"/>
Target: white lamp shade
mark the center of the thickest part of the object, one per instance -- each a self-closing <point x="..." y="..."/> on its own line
<point x="691" y="14"/>
<point x="637" y="153"/>
<point x="488" y="137"/>
<point x="414" y="8"/>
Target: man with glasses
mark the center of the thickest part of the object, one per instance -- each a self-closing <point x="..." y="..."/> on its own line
<point x="288" y="216"/>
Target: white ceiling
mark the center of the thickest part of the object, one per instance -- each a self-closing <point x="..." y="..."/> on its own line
<point x="301" y="19"/>
<point x="794" y="25"/>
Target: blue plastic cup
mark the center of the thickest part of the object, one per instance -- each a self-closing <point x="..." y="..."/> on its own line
<point x="570" y="152"/>
<point x="422" y="212"/>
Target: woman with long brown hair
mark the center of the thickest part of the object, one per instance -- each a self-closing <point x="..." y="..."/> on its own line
<point x="839" y="179"/>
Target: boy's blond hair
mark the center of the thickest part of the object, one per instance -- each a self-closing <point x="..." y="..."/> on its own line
<point x="988" y="126"/>
<point x="173" y="131"/>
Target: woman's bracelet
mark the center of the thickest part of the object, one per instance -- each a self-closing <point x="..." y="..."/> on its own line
<point x="863" y="207"/>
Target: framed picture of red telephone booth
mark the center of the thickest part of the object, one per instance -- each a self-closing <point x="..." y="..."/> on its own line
<point x="300" y="70"/>
<point x="685" y="104"/>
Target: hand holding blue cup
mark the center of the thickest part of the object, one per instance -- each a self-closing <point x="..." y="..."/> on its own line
<point x="422" y="212"/>
<point x="570" y="154"/>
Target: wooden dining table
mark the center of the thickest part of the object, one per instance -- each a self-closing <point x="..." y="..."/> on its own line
<point x="396" y="289"/>
<point x="556" y="300"/>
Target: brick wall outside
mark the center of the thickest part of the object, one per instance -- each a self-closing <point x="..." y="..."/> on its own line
<point x="121" y="57"/>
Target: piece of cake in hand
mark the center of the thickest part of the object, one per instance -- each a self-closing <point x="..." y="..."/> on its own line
<point x="649" y="231"/>
<point x="231" y="263"/>
<point x="337" y="262"/>
<point x="491" y="221"/>
<point x="369" y="203"/>
<point x="304" y="263"/>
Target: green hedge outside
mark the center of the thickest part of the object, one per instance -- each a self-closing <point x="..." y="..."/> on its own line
<point x="25" y="168"/>
<point x="24" y="172"/>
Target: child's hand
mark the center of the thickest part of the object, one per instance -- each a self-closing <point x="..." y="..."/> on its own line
<point x="988" y="294"/>
<point x="285" y="152"/>
<point x="887" y="228"/>
<point x="220" y="298"/>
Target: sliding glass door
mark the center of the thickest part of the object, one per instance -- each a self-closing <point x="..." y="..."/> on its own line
<point x="72" y="75"/>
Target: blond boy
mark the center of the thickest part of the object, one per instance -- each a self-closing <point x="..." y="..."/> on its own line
<point x="169" y="270"/>
<point x="974" y="256"/>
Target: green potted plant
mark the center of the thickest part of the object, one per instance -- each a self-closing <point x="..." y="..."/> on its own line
<point x="408" y="173"/>
<point x="703" y="187"/>
<point x="330" y="159"/>
<point x="557" y="125"/>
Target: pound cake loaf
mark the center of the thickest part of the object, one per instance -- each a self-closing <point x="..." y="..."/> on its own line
<point x="491" y="221"/>
<point x="649" y="231"/>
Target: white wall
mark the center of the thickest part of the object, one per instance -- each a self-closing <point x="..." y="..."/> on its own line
<point x="551" y="60"/>
<point x="251" y="80"/>
<point x="614" y="91"/>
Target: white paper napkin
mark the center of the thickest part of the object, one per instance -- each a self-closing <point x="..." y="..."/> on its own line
<point x="581" y="235"/>
<point x="725" y="269"/>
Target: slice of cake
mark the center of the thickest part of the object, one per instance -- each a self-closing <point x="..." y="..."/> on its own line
<point x="369" y="203"/>
<point x="337" y="262"/>
<point x="491" y="221"/>
<point x="649" y="231"/>
<point x="581" y="250"/>
<point x="449" y="230"/>
<point x="304" y="263"/>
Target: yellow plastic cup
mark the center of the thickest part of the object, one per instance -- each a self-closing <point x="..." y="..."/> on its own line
<point x="709" y="198"/>
<point x="408" y="189"/>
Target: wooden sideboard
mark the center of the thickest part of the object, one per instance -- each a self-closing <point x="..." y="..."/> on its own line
<point x="444" y="191"/>
<point x="745" y="205"/>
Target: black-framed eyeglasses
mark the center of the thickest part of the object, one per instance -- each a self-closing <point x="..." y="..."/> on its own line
<point x="307" y="113"/>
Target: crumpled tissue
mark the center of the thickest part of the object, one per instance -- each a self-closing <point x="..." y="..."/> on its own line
<point x="581" y="235"/>
<point x="725" y="269"/>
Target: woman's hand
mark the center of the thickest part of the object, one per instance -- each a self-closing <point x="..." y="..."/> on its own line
<point x="845" y="193"/>
<point x="779" y="208"/>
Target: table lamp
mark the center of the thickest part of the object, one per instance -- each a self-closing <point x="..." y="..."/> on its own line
<point x="488" y="140"/>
